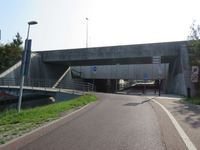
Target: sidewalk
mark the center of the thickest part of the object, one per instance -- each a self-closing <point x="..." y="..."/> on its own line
<point x="186" y="114"/>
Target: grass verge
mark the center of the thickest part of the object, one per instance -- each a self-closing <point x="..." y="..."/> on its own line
<point x="195" y="101"/>
<point x="14" y="124"/>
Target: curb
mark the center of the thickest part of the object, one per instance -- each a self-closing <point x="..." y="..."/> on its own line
<point x="9" y="142"/>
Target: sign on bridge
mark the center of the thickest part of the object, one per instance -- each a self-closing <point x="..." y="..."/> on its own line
<point x="156" y="59"/>
<point x="95" y="69"/>
<point x="145" y="76"/>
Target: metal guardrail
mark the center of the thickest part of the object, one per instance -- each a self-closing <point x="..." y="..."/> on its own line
<point x="48" y="83"/>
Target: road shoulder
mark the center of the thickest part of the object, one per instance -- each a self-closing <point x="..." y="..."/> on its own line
<point x="186" y="114"/>
<point x="170" y="134"/>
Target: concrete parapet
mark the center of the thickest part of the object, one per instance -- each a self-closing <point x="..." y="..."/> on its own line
<point x="62" y="96"/>
<point x="142" y="54"/>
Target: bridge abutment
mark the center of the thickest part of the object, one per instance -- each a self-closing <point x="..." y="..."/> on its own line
<point x="179" y="73"/>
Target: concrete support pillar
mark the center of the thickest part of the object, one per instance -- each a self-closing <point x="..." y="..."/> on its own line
<point x="108" y="83"/>
<point x="179" y="73"/>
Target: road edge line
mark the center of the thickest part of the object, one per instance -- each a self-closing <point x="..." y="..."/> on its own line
<point x="181" y="132"/>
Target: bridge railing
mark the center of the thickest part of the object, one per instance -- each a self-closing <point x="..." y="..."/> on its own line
<point x="48" y="83"/>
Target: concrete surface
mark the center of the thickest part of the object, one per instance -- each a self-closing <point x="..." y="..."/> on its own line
<point x="38" y="70"/>
<point x="129" y="71"/>
<point x="62" y="96"/>
<point x="28" y="104"/>
<point x="175" y="75"/>
<point x="126" y="54"/>
<point x="187" y="115"/>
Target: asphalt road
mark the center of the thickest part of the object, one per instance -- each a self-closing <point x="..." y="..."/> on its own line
<point x="115" y="122"/>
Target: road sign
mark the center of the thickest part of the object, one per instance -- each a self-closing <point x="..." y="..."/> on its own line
<point x="145" y="76"/>
<point x="95" y="69"/>
<point x="194" y="78"/>
<point x="156" y="59"/>
<point x="27" y="59"/>
<point x="195" y="70"/>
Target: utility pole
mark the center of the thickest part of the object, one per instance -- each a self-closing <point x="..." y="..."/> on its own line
<point x="160" y="73"/>
<point x="87" y="33"/>
<point x="23" y="66"/>
<point x="116" y="75"/>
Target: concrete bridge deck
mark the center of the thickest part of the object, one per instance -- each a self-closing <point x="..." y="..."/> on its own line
<point x="56" y="64"/>
<point x="127" y="54"/>
<point x="40" y="90"/>
<point x="60" y="94"/>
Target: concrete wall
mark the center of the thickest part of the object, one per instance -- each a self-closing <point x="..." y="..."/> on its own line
<point x="176" y="74"/>
<point x="61" y="96"/>
<point x="38" y="69"/>
<point x="179" y="73"/>
<point x="28" y="104"/>
<point x="126" y="54"/>
<point x="124" y="71"/>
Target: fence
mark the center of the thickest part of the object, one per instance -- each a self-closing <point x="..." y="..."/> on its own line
<point x="48" y="83"/>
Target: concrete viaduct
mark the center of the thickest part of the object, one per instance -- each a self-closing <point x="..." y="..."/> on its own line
<point x="134" y="60"/>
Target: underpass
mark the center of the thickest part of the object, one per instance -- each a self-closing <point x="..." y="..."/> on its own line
<point x="133" y="60"/>
<point x="118" y="121"/>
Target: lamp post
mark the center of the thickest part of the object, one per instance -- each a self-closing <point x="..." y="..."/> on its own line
<point x="87" y="33"/>
<point x="23" y="66"/>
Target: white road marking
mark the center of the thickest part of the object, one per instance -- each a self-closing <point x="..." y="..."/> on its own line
<point x="183" y="135"/>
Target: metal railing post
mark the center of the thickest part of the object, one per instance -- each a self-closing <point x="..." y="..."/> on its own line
<point x="32" y="84"/>
<point x="45" y="84"/>
<point x="8" y="83"/>
<point x="73" y="90"/>
<point x="59" y="86"/>
<point x="72" y="86"/>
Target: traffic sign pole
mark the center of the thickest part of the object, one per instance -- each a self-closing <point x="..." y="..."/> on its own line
<point x="145" y="76"/>
<point x="94" y="71"/>
<point x="116" y="75"/>
<point x="144" y="86"/>
<point x="93" y="85"/>
<point x="159" y="84"/>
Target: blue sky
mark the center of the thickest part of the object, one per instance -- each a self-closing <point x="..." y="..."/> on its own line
<point x="62" y="23"/>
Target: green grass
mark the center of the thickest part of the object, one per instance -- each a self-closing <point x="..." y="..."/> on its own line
<point x="195" y="101"/>
<point x="40" y="115"/>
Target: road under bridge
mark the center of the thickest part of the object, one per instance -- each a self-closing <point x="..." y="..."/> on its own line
<point x="134" y="60"/>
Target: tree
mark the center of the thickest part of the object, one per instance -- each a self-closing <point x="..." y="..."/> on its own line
<point x="18" y="41"/>
<point x="194" y="45"/>
<point x="10" y="52"/>
<point x="194" y="51"/>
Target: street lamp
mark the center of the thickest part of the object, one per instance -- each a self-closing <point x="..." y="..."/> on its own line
<point x="23" y="65"/>
<point x="87" y="33"/>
